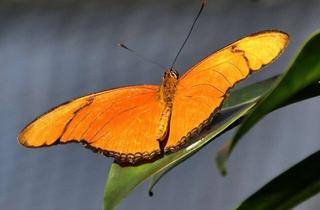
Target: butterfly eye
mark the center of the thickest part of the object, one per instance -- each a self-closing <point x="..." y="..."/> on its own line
<point x="174" y="73"/>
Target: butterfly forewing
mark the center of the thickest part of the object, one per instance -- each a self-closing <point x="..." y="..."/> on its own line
<point x="201" y="90"/>
<point x="121" y="123"/>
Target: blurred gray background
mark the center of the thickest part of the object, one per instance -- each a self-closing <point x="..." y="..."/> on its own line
<point x="53" y="51"/>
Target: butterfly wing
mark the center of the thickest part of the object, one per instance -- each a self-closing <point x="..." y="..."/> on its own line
<point x="202" y="89"/>
<point x="121" y="123"/>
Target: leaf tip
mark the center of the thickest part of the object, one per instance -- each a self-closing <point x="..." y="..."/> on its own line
<point x="221" y="166"/>
<point x="222" y="157"/>
<point x="150" y="193"/>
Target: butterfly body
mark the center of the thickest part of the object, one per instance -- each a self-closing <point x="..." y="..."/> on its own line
<point x="166" y="96"/>
<point x="137" y="124"/>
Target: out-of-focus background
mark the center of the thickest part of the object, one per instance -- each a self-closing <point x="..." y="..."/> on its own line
<point x="53" y="51"/>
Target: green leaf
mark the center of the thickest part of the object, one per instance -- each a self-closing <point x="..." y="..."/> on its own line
<point x="122" y="180"/>
<point x="302" y="76"/>
<point x="288" y="189"/>
<point x="248" y="94"/>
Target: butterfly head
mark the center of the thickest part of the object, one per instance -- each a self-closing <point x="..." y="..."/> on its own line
<point x="168" y="85"/>
<point x="171" y="73"/>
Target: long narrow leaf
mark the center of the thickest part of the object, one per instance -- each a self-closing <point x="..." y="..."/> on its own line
<point x="288" y="189"/>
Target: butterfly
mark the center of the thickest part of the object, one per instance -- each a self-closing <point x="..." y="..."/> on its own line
<point x="137" y="124"/>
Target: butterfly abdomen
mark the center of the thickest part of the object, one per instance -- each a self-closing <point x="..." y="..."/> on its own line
<point x="162" y="130"/>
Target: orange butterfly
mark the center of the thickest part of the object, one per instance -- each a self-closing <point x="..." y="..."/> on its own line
<point x="140" y="123"/>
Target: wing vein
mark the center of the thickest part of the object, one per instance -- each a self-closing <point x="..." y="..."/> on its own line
<point x="117" y="115"/>
<point x="212" y="86"/>
<point x="104" y="111"/>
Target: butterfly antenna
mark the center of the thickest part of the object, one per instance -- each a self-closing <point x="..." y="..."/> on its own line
<point x="141" y="56"/>
<point x="189" y="33"/>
